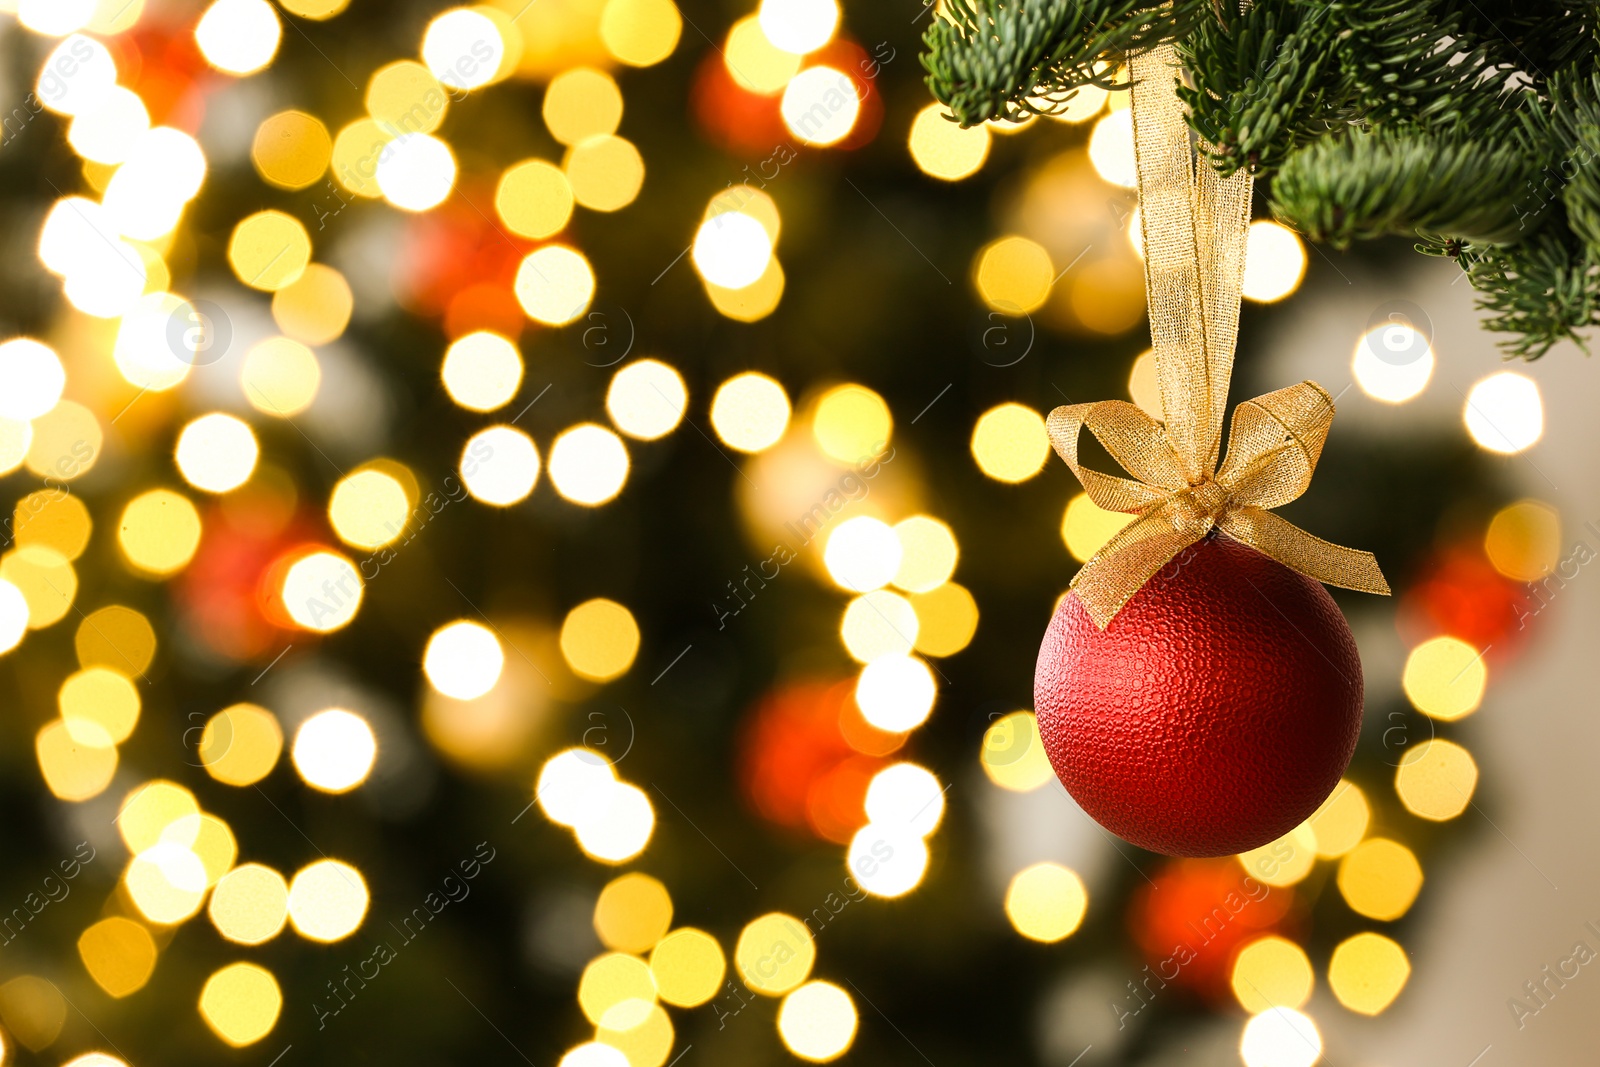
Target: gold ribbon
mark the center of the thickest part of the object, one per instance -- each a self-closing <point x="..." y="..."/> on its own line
<point x="1195" y="223"/>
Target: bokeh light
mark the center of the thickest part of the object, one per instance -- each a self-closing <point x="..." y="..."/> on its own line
<point x="1013" y="275"/>
<point x="1274" y="264"/>
<point x="1341" y="822"/>
<point x="322" y="591"/>
<point x="1524" y="540"/>
<point x="327" y="900"/>
<point x="31" y="379"/>
<point x="240" y="745"/>
<point x="1111" y="149"/>
<point x="647" y="399"/>
<point x="1281" y="1037"/>
<point x="239" y="36"/>
<point x="754" y="62"/>
<point x="167" y="882"/>
<point x="599" y="640"/>
<point x="1380" y="879"/>
<point x="269" y="250"/>
<point x="1393" y="362"/>
<point x="1367" y="972"/>
<point x="862" y="554"/>
<point x="941" y="149"/>
<point x="605" y="172"/>
<point x="534" y="199"/>
<point x="640" y="33"/>
<point x="280" y="377"/>
<point x="618" y="827"/>
<point x="119" y="954"/>
<point x="463" y="660"/>
<point x="316" y="308"/>
<point x="928" y="554"/>
<point x="555" y="285"/>
<point x="463" y="48"/>
<point x="896" y="693"/>
<point x="369" y="508"/>
<point x="159" y="532"/>
<point x="905" y="796"/>
<point x="416" y="172"/>
<point x="1283" y="862"/>
<point x="1504" y="413"/>
<point x="1086" y="527"/>
<point x="731" y="249"/>
<point x="820" y="104"/>
<point x="250" y="904"/>
<point x="688" y="967"/>
<point x="1271" y="972"/>
<point x="99" y="706"/>
<point x="817" y="1022"/>
<point x="774" y="954"/>
<point x="1010" y="443"/>
<point x="1445" y="678"/>
<point x="799" y="26"/>
<point x="852" y="424"/>
<point x="217" y="452"/>
<point x="588" y="464"/>
<point x="572" y="782"/>
<point x="334" y="750"/>
<point x="750" y="412"/>
<point x="72" y="771"/>
<point x="1046" y="902"/>
<point x="292" y="150"/>
<point x="241" y="1003"/>
<point x="633" y="913"/>
<point x="879" y="624"/>
<point x="1436" y="780"/>
<point x="1013" y="754"/>
<point x="500" y="466"/>
<point x="887" y="861"/>
<point x="581" y="103"/>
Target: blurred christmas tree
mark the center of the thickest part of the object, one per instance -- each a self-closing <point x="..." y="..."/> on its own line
<point x="424" y="450"/>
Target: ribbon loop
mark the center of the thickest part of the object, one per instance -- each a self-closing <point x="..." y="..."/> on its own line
<point x="1195" y="224"/>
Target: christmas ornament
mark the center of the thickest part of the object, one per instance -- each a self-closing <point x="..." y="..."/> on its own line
<point x="1196" y="696"/>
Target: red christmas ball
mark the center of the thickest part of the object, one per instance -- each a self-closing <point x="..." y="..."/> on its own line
<point x="1216" y="711"/>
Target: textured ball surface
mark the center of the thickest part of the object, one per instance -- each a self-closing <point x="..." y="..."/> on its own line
<point x="1216" y="711"/>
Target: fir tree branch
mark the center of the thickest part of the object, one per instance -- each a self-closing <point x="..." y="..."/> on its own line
<point x="1540" y="292"/>
<point x="1365" y="184"/>
<point x="1007" y="59"/>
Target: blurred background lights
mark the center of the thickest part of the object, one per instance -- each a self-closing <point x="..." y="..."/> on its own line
<point x="322" y="591"/>
<point x="151" y="810"/>
<point x="774" y="954"/>
<point x="817" y="1022"/>
<point x="879" y="624"/>
<point x="1013" y="275"/>
<point x="572" y="782"/>
<point x="852" y="424"/>
<point x="688" y="967"/>
<point x="239" y="36"/>
<point x="250" y="904"/>
<point x="588" y="464"/>
<point x="820" y="105"/>
<point x="647" y="399"/>
<point x="731" y="250"/>
<point x="144" y="352"/>
<point x="534" y="199"/>
<point x="1046" y="902"/>
<point x="1013" y="753"/>
<point x="317" y="10"/>
<point x="862" y="554"/>
<point x="1367" y="972"/>
<point x="799" y="26"/>
<point x="241" y="1003"/>
<point x="1393" y="362"/>
<point x="159" y="532"/>
<point x="1111" y="149"/>
<point x="13" y="616"/>
<point x="1274" y="264"/>
<point x="1380" y="879"/>
<point x="240" y="745"/>
<point x="581" y="103"/>
<point x="31" y="379"/>
<point x="106" y="131"/>
<point x="280" y="377"/>
<point x="292" y="149"/>
<point x="887" y="861"/>
<point x="942" y="149"/>
<point x="1504" y="413"/>
<point x="482" y="371"/>
<point x="947" y="619"/>
<point x="1524" y="540"/>
<point x="1341" y="822"/>
<point x="640" y="33"/>
<point x="463" y="660"/>
<point x="369" y="508"/>
<point x="1086" y="527"/>
<point x="45" y="578"/>
<point x="928" y="554"/>
<point x="99" y="706"/>
<point x="416" y="172"/>
<point x="72" y="771"/>
<point x="1010" y="443"/>
<point x="167" y="883"/>
<point x="615" y="985"/>
<point x="1281" y="1037"/>
<point x="406" y="96"/>
<point x="327" y="900"/>
<point x="896" y="693"/>
<point x="754" y="62"/>
<point x="217" y="452"/>
<point x="594" y="1054"/>
<point x="1445" y="678"/>
<point x="599" y="640"/>
<point x="907" y="796"/>
<point x="1283" y="862"/>
<point x="76" y="77"/>
<point x="120" y="955"/>
<point x="463" y="48"/>
<point x="1271" y="972"/>
<point x="554" y="285"/>
<point x="334" y="750"/>
<point x="54" y="18"/>
<point x="500" y="466"/>
<point x="1436" y="780"/>
<point x="605" y="172"/>
<point x="618" y="827"/>
<point x="750" y="412"/>
<point x="632" y="913"/>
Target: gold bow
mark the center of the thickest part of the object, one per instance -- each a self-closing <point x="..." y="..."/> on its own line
<point x="1195" y="224"/>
